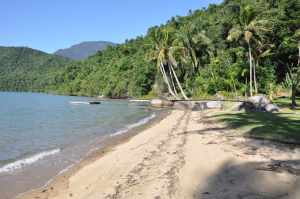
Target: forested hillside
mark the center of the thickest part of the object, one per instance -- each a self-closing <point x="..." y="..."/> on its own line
<point x="240" y="47"/>
<point x="210" y="50"/>
<point x="26" y="69"/>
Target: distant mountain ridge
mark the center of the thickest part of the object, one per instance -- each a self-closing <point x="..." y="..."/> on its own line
<point x="83" y="50"/>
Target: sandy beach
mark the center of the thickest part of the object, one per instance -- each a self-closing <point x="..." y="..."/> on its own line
<point x="185" y="155"/>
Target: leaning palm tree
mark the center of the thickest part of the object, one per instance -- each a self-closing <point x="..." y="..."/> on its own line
<point x="249" y="29"/>
<point x="163" y="53"/>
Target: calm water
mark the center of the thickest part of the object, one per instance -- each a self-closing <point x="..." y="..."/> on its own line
<point x="37" y="131"/>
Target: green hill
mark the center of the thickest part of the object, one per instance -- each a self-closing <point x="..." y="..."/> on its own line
<point x="208" y="50"/>
<point x="237" y="47"/>
<point x="26" y="69"/>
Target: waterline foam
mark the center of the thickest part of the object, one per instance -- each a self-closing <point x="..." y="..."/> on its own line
<point x="27" y="161"/>
<point x="131" y="126"/>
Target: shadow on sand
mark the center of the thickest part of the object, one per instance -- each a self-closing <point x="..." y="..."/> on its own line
<point x="250" y="181"/>
<point x="262" y="179"/>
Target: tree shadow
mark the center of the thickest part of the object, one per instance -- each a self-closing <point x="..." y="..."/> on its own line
<point x="285" y="102"/>
<point x="283" y="127"/>
<point x="254" y="180"/>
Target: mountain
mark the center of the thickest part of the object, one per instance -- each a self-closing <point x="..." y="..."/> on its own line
<point x="84" y="49"/>
<point x="26" y="69"/>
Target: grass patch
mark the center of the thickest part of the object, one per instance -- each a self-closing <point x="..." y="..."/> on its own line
<point x="284" y="126"/>
<point x="285" y="102"/>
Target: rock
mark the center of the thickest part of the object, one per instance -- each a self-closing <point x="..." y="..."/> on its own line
<point x="259" y="100"/>
<point x="183" y="105"/>
<point x="214" y="104"/>
<point x="199" y="106"/>
<point x="271" y="108"/>
<point x="161" y="103"/>
<point x="246" y="106"/>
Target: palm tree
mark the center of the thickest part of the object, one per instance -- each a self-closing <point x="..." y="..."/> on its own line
<point x="163" y="53"/>
<point x="260" y="51"/>
<point x="195" y="42"/>
<point x="297" y="37"/>
<point x="250" y="29"/>
<point x="293" y="81"/>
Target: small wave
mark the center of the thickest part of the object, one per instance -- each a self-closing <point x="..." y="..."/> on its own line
<point x="27" y="161"/>
<point x="131" y="126"/>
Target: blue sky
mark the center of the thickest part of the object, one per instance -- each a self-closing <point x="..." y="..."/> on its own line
<point x="52" y="24"/>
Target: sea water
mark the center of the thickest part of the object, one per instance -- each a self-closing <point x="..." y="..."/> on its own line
<point x="41" y="134"/>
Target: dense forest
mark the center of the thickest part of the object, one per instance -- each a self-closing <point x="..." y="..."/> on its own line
<point x="26" y="69"/>
<point x="239" y="47"/>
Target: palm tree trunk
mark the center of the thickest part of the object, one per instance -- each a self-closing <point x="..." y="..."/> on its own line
<point x="299" y="53"/>
<point x="172" y="81"/>
<point x="294" y="104"/>
<point x="178" y="83"/>
<point x="162" y="69"/>
<point x="254" y="76"/>
<point x="250" y="61"/>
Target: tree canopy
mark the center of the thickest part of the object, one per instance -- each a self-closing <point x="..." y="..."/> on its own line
<point x="209" y="50"/>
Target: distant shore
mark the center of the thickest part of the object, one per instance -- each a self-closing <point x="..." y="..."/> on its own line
<point x="184" y="155"/>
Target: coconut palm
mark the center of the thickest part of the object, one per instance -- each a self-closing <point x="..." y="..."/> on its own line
<point x="163" y="53"/>
<point x="195" y="42"/>
<point x="293" y="82"/>
<point x="260" y="51"/>
<point x="249" y="29"/>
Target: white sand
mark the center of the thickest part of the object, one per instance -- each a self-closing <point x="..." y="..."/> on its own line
<point x="182" y="156"/>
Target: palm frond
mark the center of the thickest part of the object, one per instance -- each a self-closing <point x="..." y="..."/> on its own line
<point x="234" y="34"/>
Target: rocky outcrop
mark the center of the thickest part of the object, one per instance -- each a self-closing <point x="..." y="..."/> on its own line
<point x="161" y="103"/>
<point x="257" y="103"/>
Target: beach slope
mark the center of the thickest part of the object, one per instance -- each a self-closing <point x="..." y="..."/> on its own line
<point x="185" y="155"/>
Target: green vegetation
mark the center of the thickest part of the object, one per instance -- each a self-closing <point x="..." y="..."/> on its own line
<point x="27" y="69"/>
<point x="237" y="47"/>
<point x="284" y="102"/>
<point x="282" y="127"/>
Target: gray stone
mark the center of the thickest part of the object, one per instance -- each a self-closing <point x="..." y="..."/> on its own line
<point x="259" y="100"/>
<point x="214" y="104"/>
<point x="183" y="105"/>
<point x="246" y="106"/>
<point x="161" y="103"/>
<point x="271" y="108"/>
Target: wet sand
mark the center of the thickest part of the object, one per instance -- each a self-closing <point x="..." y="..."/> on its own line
<point x="185" y="155"/>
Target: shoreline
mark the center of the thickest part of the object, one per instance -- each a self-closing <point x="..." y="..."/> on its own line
<point x="183" y="155"/>
<point x="107" y="144"/>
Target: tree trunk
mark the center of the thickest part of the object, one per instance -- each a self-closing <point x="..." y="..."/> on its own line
<point x="172" y="81"/>
<point x="162" y="69"/>
<point x="294" y="104"/>
<point x="298" y="53"/>
<point x="254" y="76"/>
<point x="178" y="83"/>
<point x="250" y="61"/>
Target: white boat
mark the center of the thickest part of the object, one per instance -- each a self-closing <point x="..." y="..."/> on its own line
<point x="136" y="100"/>
<point x="84" y="102"/>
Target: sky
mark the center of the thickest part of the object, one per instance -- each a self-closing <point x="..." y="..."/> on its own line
<point x="49" y="25"/>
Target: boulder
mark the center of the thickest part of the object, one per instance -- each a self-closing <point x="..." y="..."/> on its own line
<point x="160" y="103"/>
<point x="199" y="106"/>
<point x="271" y="108"/>
<point x="214" y="104"/>
<point x="183" y="105"/>
<point x="259" y="100"/>
<point x="245" y="106"/>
